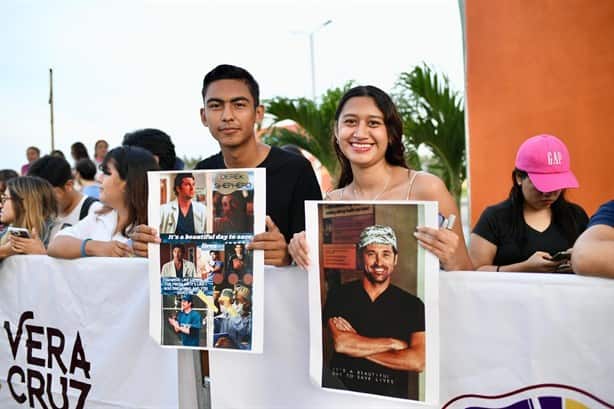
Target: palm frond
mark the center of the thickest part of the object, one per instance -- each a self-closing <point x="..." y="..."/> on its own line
<point x="433" y="115"/>
<point x="316" y="120"/>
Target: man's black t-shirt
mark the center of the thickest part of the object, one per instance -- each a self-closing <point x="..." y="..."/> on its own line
<point x="394" y="314"/>
<point x="290" y="181"/>
<point x="495" y="225"/>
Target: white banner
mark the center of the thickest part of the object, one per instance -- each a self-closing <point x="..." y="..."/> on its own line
<point x="75" y="335"/>
<point x="518" y="336"/>
<point x="528" y="340"/>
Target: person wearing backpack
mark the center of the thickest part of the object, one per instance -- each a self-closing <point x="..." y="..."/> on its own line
<point x="73" y="205"/>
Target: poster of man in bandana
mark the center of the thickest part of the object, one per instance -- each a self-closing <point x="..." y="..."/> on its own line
<point x="371" y="300"/>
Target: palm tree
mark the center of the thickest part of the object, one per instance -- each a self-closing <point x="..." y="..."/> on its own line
<point x="315" y="125"/>
<point x="434" y="115"/>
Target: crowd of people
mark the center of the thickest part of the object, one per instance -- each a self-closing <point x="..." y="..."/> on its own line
<point x="98" y="207"/>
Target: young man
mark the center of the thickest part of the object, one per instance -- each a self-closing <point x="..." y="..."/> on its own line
<point x="178" y="266"/>
<point x="73" y="205"/>
<point x="231" y="110"/>
<point x="377" y="328"/>
<point x="214" y="265"/>
<point x="183" y="215"/>
<point x="85" y="174"/>
<point x="188" y="323"/>
<point x="156" y="142"/>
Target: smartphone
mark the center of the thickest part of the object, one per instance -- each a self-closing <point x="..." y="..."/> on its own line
<point x="19" y="232"/>
<point x="561" y="256"/>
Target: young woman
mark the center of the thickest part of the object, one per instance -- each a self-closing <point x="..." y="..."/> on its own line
<point x="523" y="232"/>
<point x="100" y="151"/>
<point x="367" y="141"/>
<point x="124" y="194"/>
<point x="27" y="202"/>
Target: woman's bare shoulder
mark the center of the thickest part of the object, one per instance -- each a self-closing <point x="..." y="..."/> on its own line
<point x="428" y="187"/>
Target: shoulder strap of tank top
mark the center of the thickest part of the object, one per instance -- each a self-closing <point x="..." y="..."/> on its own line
<point x="331" y="197"/>
<point x="412" y="179"/>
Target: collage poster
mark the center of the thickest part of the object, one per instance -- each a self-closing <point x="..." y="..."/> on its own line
<point x="205" y="285"/>
<point x="373" y="299"/>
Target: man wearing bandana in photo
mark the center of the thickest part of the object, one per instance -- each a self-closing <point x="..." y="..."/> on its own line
<point x="376" y="327"/>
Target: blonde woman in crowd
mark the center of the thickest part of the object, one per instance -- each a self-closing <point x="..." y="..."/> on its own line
<point x="29" y="208"/>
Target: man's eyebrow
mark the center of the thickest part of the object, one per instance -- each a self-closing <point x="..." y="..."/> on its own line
<point x="232" y="100"/>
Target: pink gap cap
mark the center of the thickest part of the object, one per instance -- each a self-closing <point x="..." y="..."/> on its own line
<point x="546" y="159"/>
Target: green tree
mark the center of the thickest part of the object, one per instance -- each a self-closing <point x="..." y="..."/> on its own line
<point x="315" y="121"/>
<point x="191" y="162"/>
<point x="434" y="115"/>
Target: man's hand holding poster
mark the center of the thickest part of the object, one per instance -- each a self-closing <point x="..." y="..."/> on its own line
<point x="205" y="284"/>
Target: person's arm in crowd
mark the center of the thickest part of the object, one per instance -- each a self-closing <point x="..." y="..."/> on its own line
<point x="141" y="236"/>
<point x="483" y="253"/>
<point x="347" y="341"/>
<point x="593" y="252"/>
<point x="64" y="246"/>
<point x="273" y="243"/>
<point x="447" y="244"/>
<point x="6" y="250"/>
<point x="27" y="245"/>
<point x="411" y="358"/>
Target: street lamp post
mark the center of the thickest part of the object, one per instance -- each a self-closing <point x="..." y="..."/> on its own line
<point x="312" y="54"/>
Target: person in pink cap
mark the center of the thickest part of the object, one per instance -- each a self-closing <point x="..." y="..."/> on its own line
<point x="525" y="232"/>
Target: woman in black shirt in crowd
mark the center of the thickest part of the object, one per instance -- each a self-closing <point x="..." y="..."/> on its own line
<point x="524" y="232"/>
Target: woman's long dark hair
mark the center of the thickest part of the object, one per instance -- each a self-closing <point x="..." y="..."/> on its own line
<point x="563" y="212"/>
<point x="394" y="128"/>
<point x="132" y="164"/>
<point x="79" y="151"/>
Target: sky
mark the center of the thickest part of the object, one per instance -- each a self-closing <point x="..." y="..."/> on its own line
<point x="119" y="66"/>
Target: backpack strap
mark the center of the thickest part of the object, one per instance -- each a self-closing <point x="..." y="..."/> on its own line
<point x="86" y="206"/>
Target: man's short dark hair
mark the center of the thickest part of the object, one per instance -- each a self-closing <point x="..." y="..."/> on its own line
<point x="179" y="246"/>
<point x="58" y="153"/>
<point x="156" y="142"/>
<point x="6" y="174"/>
<point x="86" y="168"/>
<point x="53" y="169"/>
<point x="179" y="179"/>
<point x="232" y="72"/>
